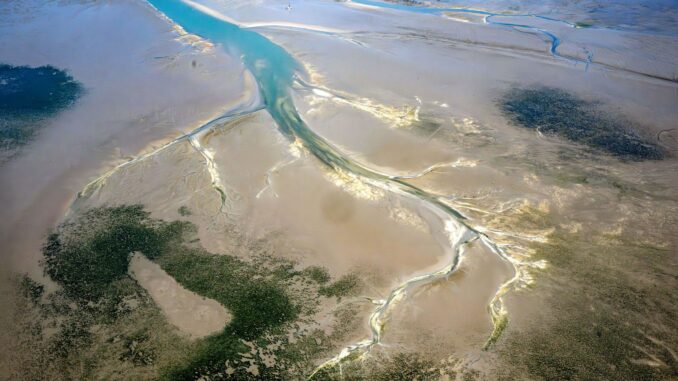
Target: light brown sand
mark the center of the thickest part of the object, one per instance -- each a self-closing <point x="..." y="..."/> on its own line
<point x="188" y="311"/>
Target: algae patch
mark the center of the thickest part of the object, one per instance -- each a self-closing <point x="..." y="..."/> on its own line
<point x="27" y="97"/>
<point x="555" y="112"/>
<point x="347" y="285"/>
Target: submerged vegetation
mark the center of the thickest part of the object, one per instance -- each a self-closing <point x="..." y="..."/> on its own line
<point x="101" y="317"/>
<point x="28" y="96"/>
<point x="556" y="112"/>
<point x="184" y="211"/>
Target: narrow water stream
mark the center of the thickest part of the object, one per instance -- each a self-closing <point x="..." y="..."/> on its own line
<point x="488" y="18"/>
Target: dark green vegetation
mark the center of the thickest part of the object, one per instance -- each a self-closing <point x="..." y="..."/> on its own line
<point x="556" y="112"/>
<point x="347" y="285"/>
<point x="611" y="313"/>
<point x="106" y="325"/>
<point x="28" y="96"/>
<point x="31" y="289"/>
<point x="319" y="274"/>
<point x="257" y="300"/>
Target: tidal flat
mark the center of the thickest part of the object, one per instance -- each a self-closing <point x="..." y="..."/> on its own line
<point x="338" y="190"/>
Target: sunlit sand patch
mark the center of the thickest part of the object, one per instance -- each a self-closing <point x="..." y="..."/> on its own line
<point x="461" y="162"/>
<point x="313" y="73"/>
<point x="396" y="117"/>
<point x="192" y="40"/>
<point x="467" y="125"/>
<point x="294" y="26"/>
<point x="362" y="6"/>
<point x="406" y="216"/>
<point x="191" y="313"/>
<point x="374" y="143"/>
<point x="196" y="42"/>
<point x="464" y="17"/>
<point x="354" y="185"/>
<point x="212" y="12"/>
